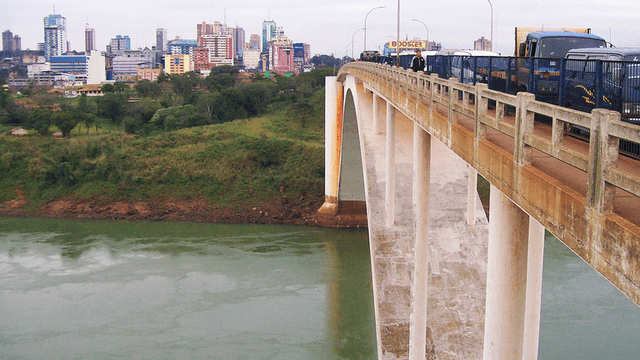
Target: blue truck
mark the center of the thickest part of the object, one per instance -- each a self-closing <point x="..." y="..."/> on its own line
<point x="538" y="59"/>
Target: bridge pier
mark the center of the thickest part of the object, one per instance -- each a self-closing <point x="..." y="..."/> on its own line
<point x="344" y="204"/>
<point x="390" y="165"/>
<point x="420" y="293"/>
<point x="514" y="281"/>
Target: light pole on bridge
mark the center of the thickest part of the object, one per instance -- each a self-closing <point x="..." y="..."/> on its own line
<point x="365" y="24"/>
<point x="425" y="26"/>
<point x="353" y="40"/>
<point x="491" y="38"/>
<point x="398" y="39"/>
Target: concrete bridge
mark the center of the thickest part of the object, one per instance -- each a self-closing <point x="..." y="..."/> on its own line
<point x="403" y="151"/>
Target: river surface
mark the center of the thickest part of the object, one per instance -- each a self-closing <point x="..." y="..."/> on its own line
<point x="82" y="289"/>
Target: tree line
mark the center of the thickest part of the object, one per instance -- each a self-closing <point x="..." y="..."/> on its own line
<point x="172" y="102"/>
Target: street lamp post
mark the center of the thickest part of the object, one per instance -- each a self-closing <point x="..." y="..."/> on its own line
<point x="353" y="40"/>
<point x="398" y="39"/>
<point x="365" y="24"/>
<point x="425" y="26"/>
<point x="491" y="38"/>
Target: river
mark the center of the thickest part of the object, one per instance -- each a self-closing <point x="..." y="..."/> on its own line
<point x="84" y="289"/>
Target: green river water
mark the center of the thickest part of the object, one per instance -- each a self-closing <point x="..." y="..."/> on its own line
<point x="83" y="289"/>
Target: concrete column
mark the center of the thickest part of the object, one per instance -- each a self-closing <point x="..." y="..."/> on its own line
<point x="534" y="290"/>
<point x="421" y="178"/>
<point x="390" y="165"/>
<point x="333" y="143"/>
<point x="506" y="279"/>
<point x="376" y="115"/>
<point x="472" y="195"/>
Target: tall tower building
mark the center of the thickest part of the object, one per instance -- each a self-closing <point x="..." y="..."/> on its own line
<point x="17" y="44"/>
<point x="254" y="41"/>
<point x="55" y="36"/>
<point x="7" y="41"/>
<point x="238" y="39"/>
<point x="161" y="40"/>
<point x="268" y="33"/>
<point x="204" y="29"/>
<point x="89" y="39"/>
<point x="119" y="44"/>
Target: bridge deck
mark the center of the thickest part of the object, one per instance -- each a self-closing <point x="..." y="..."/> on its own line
<point x="625" y="204"/>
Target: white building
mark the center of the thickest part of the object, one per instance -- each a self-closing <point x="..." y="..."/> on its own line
<point x="34" y="70"/>
<point x="251" y="58"/>
<point x="96" y="68"/>
<point x="221" y="51"/>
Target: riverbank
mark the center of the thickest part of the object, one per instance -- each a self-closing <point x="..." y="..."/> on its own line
<point x="299" y="211"/>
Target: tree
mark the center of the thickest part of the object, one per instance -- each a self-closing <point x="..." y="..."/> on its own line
<point x="221" y="77"/>
<point x="111" y="106"/>
<point x="176" y="117"/>
<point x="146" y="88"/>
<point x="303" y="109"/>
<point x="65" y="121"/>
<point x="257" y="95"/>
<point x="39" y="120"/>
<point x="120" y="87"/>
<point x="209" y="104"/>
<point x="108" y="88"/>
<point x="185" y="85"/>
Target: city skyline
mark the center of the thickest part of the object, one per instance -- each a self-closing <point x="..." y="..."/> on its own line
<point x="318" y="24"/>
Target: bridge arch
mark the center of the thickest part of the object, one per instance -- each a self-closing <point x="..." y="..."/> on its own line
<point x="351" y="194"/>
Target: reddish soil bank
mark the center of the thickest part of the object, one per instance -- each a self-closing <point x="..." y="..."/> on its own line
<point x="283" y="211"/>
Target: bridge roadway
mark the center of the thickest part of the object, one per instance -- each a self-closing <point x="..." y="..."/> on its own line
<point x="584" y="193"/>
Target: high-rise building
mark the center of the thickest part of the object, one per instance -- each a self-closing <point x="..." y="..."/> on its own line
<point x="204" y="29"/>
<point x="89" y="39"/>
<point x="17" y="44"/>
<point x="119" y="44"/>
<point x="238" y="39"/>
<point x="281" y="55"/>
<point x="177" y="64"/>
<point x="201" y="59"/>
<point x="7" y="41"/>
<point x="181" y="46"/>
<point x="254" y="41"/>
<point x="161" y="40"/>
<point x="55" y="36"/>
<point x="482" y="44"/>
<point x="251" y="58"/>
<point x="221" y="50"/>
<point x="268" y="33"/>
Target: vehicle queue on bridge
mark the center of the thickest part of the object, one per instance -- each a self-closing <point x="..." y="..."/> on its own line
<point x="573" y="69"/>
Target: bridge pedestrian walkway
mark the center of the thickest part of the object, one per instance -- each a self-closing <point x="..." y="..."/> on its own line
<point x="625" y="205"/>
<point x="457" y="252"/>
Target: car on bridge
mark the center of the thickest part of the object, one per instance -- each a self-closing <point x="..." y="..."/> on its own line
<point x="604" y="78"/>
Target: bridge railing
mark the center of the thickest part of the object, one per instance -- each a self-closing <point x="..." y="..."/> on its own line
<point x="489" y="107"/>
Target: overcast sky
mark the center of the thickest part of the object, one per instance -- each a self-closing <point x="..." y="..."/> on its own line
<point x="328" y="25"/>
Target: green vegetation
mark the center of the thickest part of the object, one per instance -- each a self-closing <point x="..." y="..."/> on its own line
<point x="233" y="144"/>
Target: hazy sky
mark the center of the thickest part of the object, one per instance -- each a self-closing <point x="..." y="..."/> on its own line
<point x="328" y="25"/>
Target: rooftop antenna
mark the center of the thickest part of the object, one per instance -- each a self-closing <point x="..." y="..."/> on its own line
<point x="54" y="9"/>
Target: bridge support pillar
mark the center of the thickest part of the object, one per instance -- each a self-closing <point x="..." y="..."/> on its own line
<point x="534" y="290"/>
<point x="472" y="195"/>
<point x="333" y="144"/>
<point x="377" y="123"/>
<point x="390" y="165"/>
<point x="421" y="179"/>
<point x="506" y="279"/>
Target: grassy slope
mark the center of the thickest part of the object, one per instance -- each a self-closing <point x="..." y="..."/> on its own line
<point x="232" y="164"/>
